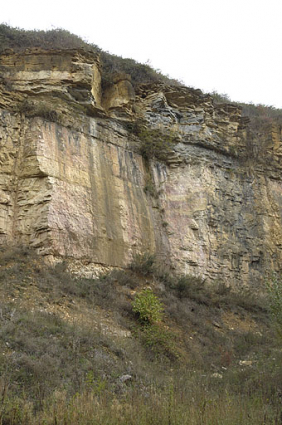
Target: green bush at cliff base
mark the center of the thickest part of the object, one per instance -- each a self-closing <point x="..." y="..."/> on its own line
<point x="148" y="307"/>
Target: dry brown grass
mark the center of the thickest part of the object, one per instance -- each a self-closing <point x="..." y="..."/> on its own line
<point x="65" y="343"/>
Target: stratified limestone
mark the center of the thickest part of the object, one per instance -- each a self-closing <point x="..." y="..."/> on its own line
<point x="72" y="178"/>
<point x="74" y="195"/>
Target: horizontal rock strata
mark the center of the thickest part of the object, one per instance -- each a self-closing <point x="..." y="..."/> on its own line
<point x="73" y="182"/>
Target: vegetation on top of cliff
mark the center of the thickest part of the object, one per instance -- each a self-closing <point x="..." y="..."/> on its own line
<point x="140" y="73"/>
<point x="259" y="114"/>
<point x="19" y="40"/>
<point x="262" y="117"/>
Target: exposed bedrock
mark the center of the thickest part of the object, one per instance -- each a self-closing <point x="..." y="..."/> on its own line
<point x="72" y="177"/>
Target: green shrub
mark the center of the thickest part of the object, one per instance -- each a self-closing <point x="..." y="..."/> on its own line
<point x="155" y="143"/>
<point x="148" y="307"/>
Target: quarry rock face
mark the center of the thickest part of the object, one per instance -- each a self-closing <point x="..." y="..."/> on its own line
<point x="74" y="185"/>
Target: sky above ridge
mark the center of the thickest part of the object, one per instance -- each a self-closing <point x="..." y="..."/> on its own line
<point x="229" y="46"/>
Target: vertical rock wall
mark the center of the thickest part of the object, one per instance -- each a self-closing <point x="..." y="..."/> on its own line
<point x="74" y="187"/>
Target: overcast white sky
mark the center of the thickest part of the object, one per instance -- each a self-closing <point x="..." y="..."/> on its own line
<point x="231" y="46"/>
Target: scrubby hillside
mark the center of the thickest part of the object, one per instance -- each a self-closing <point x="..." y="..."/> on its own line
<point x="131" y="347"/>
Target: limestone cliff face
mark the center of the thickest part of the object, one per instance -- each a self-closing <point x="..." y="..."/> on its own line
<point x="72" y="177"/>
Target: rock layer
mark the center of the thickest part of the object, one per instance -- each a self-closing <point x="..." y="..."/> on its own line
<point x="72" y="178"/>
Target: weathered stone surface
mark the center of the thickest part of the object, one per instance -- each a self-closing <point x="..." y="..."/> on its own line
<point x="72" y="73"/>
<point x="74" y="188"/>
<point x="76" y="195"/>
<point x="120" y="93"/>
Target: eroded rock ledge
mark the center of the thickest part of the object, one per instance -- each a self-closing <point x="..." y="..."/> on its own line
<point x="72" y="178"/>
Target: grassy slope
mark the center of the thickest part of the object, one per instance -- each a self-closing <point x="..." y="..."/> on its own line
<point x="66" y="344"/>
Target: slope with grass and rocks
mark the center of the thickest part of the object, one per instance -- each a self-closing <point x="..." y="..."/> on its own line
<point x="132" y="347"/>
